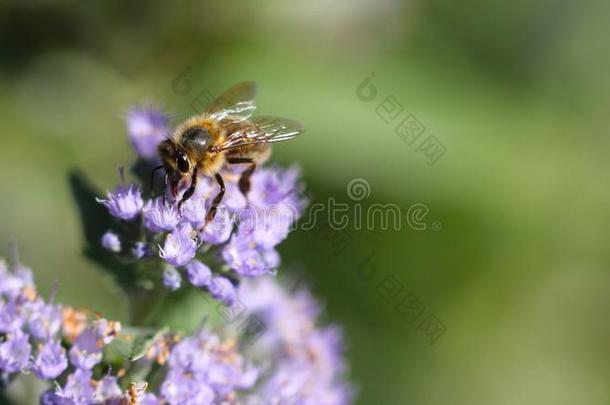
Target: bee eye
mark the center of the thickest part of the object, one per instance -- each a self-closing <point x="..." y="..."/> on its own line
<point x="182" y="162"/>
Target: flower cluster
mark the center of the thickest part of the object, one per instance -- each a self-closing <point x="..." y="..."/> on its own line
<point x="309" y="366"/>
<point x="294" y="361"/>
<point x="50" y="341"/>
<point x="287" y="358"/>
<point x="30" y="328"/>
<point x="205" y="369"/>
<point x="240" y="239"/>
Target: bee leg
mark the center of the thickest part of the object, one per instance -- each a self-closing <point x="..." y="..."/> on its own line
<point x="189" y="192"/>
<point x="152" y="177"/>
<point x="244" y="180"/>
<point x="212" y="211"/>
<point x="165" y="188"/>
<point x="173" y="189"/>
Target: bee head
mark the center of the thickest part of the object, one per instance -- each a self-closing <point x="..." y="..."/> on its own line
<point x="167" y="154"/>
<point x="174" y="159"/>
<point x="176" y="162"/>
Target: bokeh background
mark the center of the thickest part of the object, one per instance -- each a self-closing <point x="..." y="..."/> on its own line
<point x="514" y="260"/>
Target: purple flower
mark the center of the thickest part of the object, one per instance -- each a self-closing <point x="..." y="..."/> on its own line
<point x="171" y="278"/>
<point x="87" y="350"/>
<point x="140" y="250"/>
<point x="159" y="216"/>
<point x="275" y="205"/>
<point x="125" y="202"/>
<point x="78" y="390"/>
<point x="45" y="320"/>
<point x="187" y="355"/>
<point x="15" y="352"/>
<point x="105" y="330"/>
<point x="147" y="127"/>
<point x="311" y="369"/>
<point x="326" y="345"/>
<point x="219" y="229"/>
<point x="272" y="186"/>
<point x="50" y="397"/>
<point x="222" y="289"/>
<point x="11" y="283"/>
<point x="198" y="273"/>
<point x="273" y="225"/>
<point x="234" y="200"/>
<point x="249" y="378"/>
<point x="149" y="399"/>
<point x="11" y="315"/>
<point x="51" y="361"/>
<point x="111" y="241"/>
<point x="107" y="389"/>
<point x="296" y="383"/>
<point x="180" y="246"/>
<point x="182" y="389"/>
<point x="204" y="368"/>
<point x="194" y="211"/>
<point x="244" y="255"/>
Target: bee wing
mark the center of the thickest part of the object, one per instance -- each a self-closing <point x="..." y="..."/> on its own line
<point x="263" y="129"/>
<point x="236" y="103"/>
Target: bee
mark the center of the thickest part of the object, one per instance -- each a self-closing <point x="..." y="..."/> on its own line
<point x="225" y="133"/>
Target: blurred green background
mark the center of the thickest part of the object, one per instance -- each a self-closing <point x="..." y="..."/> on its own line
<point x="517" y="92"/>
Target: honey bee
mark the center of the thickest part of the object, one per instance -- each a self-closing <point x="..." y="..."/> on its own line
<point x="225" y="133"/>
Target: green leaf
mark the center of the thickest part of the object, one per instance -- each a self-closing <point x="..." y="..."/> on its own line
<point x="132" y="344"/>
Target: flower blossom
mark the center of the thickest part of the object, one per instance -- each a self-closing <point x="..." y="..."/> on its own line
<point x="180" y="246"/>
<point x="51" y="361"/>
<point x="111" y="241"/>
<point x="160" y="216"/>
<point x="125" y="202"/>
<point x="146" y="128"/>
